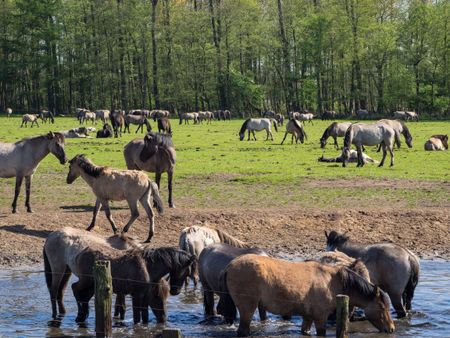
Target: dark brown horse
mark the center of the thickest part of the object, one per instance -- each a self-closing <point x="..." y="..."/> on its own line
<point x="392" y="267"/>
<point x="164" y="126"/>
<point x="155" y="153"/>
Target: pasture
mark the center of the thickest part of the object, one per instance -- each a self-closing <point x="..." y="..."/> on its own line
<point x="215" y="168"/>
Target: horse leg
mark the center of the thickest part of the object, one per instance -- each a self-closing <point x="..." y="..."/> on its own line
<point x="134" y="215"/>
<point x="109" y="216"/>
<point x="396" y="300"/>
<point x="321" y="326"/>
<point x="27" y="193"/>
<point x="138" y="304"/>
<point x="170" y="179"/>
<point x="254" y="135"/>
<point x="94" y="216"/>
<point x="306" y="326"/>
<point x="246" y="310"/>
<point x="120" y="306"/>
<point x="62" y="288"/>
<point x="151" y="215"/>
<point x="271" y="135"/>
<point x="262" y="312"/>
<point x="335" y="143"/>
<point x="248" y="139"/>
<point x="285" y="134"/>
<point x="383" y="146"/>
<point x="360" y="157"/>
<point x="208" y="301"/>
<point x="391" y="152"/>
<point x="82" y="295"/>
<point x="19" y="180"/>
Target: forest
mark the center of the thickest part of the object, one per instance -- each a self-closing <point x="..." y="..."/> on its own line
<point x="242" y="55"/>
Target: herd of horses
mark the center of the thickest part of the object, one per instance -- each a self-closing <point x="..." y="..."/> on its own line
<point x="245" y="278"/>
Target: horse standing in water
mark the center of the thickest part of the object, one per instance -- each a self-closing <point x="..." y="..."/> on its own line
<point x="257" y="124"/>
<point x="334" y="130"/>
<point x="22" y="158"/>
<point x="155" y="153"/>
<point x="392" y="267"/>
<point x="307" y="289"/>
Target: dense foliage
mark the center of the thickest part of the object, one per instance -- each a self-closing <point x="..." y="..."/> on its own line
<point x="244" y="55"/>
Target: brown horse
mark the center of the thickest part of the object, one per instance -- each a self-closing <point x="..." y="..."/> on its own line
<point x="437" y="142"/>
<point x="307" y="289"/>
<point x="155" y="153"/>
<point x="164" y="126"/>
<point x="392" y="267"/>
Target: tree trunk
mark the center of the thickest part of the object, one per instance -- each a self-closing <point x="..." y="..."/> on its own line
<point x="286" y="59"/>
<point x="154" y="55"/>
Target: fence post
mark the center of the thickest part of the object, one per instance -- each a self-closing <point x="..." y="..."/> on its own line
<point x="171" y="333"/>
<point x="103" y="298"/>
<point x="342" y="316"/>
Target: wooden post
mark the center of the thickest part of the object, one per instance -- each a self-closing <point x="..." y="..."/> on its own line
<point x="171" y="333"/>
<point x="103" y="298"/>
<point x="342" y="316"/>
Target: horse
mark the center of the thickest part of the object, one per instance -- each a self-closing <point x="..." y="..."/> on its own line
<point x="117" y="185"/>
<point x="195" y="238"/>
<point x="164" y="126"/>
<point x="257" y="124"/>
<point x="306" y="117"/>
<point x="212" y="262"/>
<point x="328" y="115"/>
<point x="437" y="142"/>
<point x="401" y="127"/>
<point x="186" y="117"/>
<point x="80" y="132"/>
<point x="137" y="120"/>
<point x="280" y="119"/>
<point x="89" y="116"/>
<point x="80" y="113"/>
<point x="361" y="135"/>
<point x="105" y="132"/>
<point x="158" y="114"/>
<point x="117" y="121"/>
<point x="71" y="251"/>
<point x="412" y="115"/>
<point x="22" y="158"/>
<point x="8" y="112"/>
<point x="352" y="158"/>
<point x="102" y="114"/>
<point x="362" y="114"/>
<point x="400" y="115"/>
<point x="296" y="129"/>
<point x="155" y="153"/>
<point x="29" y="118"/>
<point x="392" y="267"/>
<point x="45" y="115"/>
<point x="335" y="130"/>
<point x="269" y="114"/>
<point x="205" y="115"/>
<point x="223" y="115"/>
<point x="307" y="289"/>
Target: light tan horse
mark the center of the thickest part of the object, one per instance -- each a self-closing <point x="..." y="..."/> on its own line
<point x="307" y="289"/>
<point x="437" y="142"/>
<point x="296" y="129"/>
<point x="33" y="118"/>
<point x="8" y="112"/>
<point x="117" y="185"/>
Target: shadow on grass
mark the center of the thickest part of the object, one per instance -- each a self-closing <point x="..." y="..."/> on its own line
<point x="86" y="208"/>
<point x="21" y="229"/>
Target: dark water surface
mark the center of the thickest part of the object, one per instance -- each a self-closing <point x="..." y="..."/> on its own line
<point x="25" y="310"/>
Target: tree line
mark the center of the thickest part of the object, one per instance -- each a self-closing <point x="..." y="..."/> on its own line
<point x="242" y="55"/>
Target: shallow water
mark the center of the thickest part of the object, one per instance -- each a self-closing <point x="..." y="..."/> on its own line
<point x="25" y="310"/>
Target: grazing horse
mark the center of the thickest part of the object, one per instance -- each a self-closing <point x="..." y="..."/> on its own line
<point x="308" y="289"/>
<point x="412" y="115"/>
<point x="269" y="114"/>
<point x="22" y="158"/>
<point x="117" y="185"/>
<point x="400" y="127"/>
<point x="392" y="267"/>
<point x="195" y="238"/>
<point x="335" y="130"/>
<point x="296" y="129"/>
<point x="102" y="114"/>
<point x="361" y="135"/>
<point x="8" y="112"/>
<point x="138" y="120"/>
<point x="155" y="153"/>
<point x="117" y="121"/>
<point x="437" y="142"/>
<point x="45" y="115"/>
<point x="257" y="124"/>
<point x="29" y="118"/>
<point x="306" y="117"/>
<point x="400" y="115"/>
<point x="328" y="115"/>
<point x="159" y="114"/>
<point x="105" y="132"/>
<point x="188" y="116"/>
<point x="212" y="262"/>
<point x="362" y="114"/>
<point x="164" y="126"/>
<point x="352" y="158"/>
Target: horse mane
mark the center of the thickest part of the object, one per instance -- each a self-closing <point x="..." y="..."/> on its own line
<point x="244" y="126"/>
<point x="326" y="133"/>
<point x="230" y="240"/>
<point x="88" y="167"/>
<point x="161" y="140"/>
<point x="406" y="132"/>
<point x="441" y="137"/>
<point x="300" y="128"/>
<point x="169" y="256"/>
<point x="353" y="281"/>
<point x="56" y="135"/>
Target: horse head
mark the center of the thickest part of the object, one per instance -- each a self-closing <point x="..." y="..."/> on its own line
<point x="335" y="240"/>
<point x="56" y="146"/>
<point x="377" y="311"/>
<point x="345" y="156"/>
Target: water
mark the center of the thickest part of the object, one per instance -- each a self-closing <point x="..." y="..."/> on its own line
<point x="25" y="310"/>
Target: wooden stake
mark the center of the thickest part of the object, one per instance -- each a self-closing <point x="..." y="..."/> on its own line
<point x="342" y="316"/>
<point x="103" y="298"/>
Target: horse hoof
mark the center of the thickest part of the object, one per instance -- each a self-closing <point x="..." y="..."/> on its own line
<point x="89" y="228"/>
<point x="30" y="211"/>
<point x="14" y="211"/>
<point x="172" y="206"/>
<point x="148" y="240"/>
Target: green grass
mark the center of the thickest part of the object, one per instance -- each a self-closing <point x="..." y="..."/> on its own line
<point x="213" y="166"/>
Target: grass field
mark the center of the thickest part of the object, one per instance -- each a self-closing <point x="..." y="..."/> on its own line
<point x="215" y="168"/>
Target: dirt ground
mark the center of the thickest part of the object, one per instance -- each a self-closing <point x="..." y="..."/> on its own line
<point x="282" y="231"/>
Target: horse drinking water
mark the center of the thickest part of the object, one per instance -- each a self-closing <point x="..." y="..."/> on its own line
<point x="22" y="158"/>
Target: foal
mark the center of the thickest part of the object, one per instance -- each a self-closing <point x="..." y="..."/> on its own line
<point x="117" y="185"/>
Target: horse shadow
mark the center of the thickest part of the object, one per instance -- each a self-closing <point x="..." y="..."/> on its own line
<point x="21" y="229"/>
<point x="87" y="208"/>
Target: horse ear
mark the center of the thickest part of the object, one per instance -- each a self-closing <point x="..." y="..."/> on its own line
<point x="326" y="233"/>
<point x="50" y="135"/>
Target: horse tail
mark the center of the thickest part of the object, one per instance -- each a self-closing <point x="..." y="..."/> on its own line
<point x="397" y="138"/>
<point x="157" y="202"/>
<point x="348" y="138"/>
<point x="275" y="124"/>
<point x="226" y="306"/>
<point x="412" y="282"/>
<point x="48" y="270"/>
